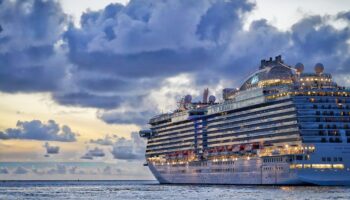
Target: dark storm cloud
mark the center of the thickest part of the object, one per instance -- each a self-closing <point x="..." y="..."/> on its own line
<point x="145" y="42"/>
<point x="36" y="130"/>
<point x="120" y="53"/>
<point x="314" y="40"/>
<point x="152" y="39"/>
<point x="85" y="99"/>
<point x="206" y="38"/>
<point x="129" y="149"/>
<point x="29" y="31"/>
<point x="126" y="117"/>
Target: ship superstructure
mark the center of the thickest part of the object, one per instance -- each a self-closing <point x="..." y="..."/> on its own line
<point x="282" y="126"/>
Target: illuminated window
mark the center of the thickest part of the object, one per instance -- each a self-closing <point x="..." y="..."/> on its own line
<point x="307" y="166"/>
<point x="321" y="166"/>
<point x="299" y="166"/>
<point x="338" y="166"/>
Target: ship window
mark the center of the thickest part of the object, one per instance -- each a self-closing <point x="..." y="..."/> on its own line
<point x="337" y="140"/>
<point x="307" y="165"/>
<point x="329" y="159"/>
<point x="321" y="166"/>
<point x="299" y="157"/>
<point x="323" y="159"/>
<point x="299" y="166"/>
<point x="338" y="166"/>
<point x="340" y="159"/>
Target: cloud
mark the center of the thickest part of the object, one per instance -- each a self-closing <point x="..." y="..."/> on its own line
<point x="59" y="169"/>
<point x="123" y="45"/>
<point x="129" y="149"/>
<point x="106" y="141"/>
<point x="87" y="157"/>
<point x="51" y="149"/>
<point x="107" y="170"/>
<point x="75" y="170"/>
<point x="96" y="152"/>
<point x="121" y="55"/>
<point x="4" y="170"/>
<point x="125" y="117"/>
<point x="20" y="170"/>
<point x="37" y="130"/>
<point x="30" y="31"/>
<point x="38" y="171"/>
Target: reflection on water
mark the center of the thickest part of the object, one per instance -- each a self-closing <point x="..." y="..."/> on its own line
<point x="152" y="190"/>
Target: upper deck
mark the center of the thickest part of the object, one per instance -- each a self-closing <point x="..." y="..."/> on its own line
<point x="273" y="80"/>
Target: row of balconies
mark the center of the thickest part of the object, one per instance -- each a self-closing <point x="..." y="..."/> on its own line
<point x="310" y="125"/>
<point x="324" y="119"/>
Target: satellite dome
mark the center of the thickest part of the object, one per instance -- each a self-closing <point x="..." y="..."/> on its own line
<point x="188" y="98"/>
<point x="299" y="67"/>
<point x="319" y="68"/>
<point x="212" y="99"/>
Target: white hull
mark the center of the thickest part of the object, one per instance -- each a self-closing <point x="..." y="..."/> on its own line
<point x="257" y="172"/>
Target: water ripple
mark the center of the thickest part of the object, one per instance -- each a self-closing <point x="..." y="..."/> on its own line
<point x="151" y="190"/>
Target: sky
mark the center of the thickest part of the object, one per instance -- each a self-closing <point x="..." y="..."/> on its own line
<point x="79" y="79"/>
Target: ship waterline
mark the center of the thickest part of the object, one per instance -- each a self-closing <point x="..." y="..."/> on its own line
<point x="281" y="127"/>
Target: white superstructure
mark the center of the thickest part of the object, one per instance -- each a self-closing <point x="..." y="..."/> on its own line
<point x="282" y="126"/>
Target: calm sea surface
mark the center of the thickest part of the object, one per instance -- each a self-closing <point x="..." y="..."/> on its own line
<point x="152" y="190"/>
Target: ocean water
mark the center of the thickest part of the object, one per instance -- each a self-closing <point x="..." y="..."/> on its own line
<point x="126" y="190"/>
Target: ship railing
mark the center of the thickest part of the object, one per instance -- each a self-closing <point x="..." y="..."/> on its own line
<point x="160" y="117"/>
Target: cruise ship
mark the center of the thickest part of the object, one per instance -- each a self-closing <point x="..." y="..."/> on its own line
<point x="283" y="126"/>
